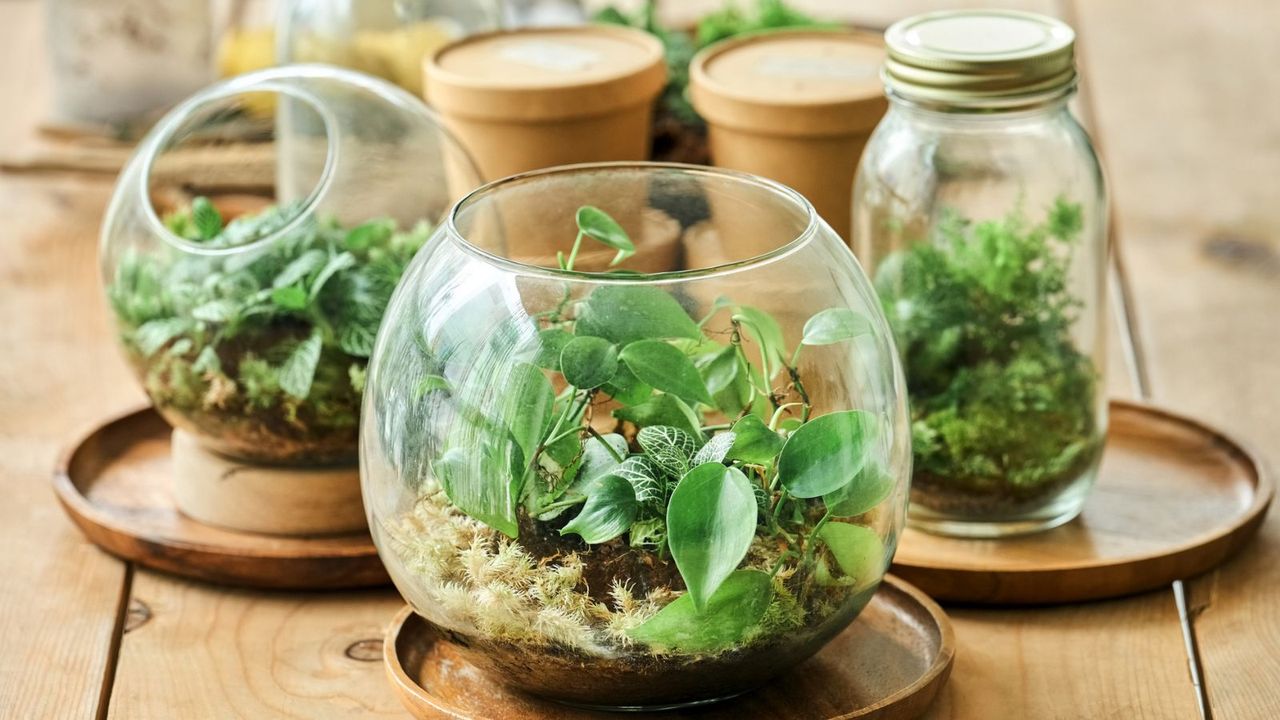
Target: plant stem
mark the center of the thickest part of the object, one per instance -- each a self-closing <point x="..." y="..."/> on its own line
<point x="777" y="414"/>
<point x="612" y="450"/>
<point x="714" y="428"/>
<point x="811" y="541"/>
<point x="573" y="254"/>
<point x="781" y="560"/>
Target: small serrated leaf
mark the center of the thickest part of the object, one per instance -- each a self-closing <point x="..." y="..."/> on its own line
<point x="299" y="369"/>
<point x="206" y="218"/>
<point x="289" y="298"/>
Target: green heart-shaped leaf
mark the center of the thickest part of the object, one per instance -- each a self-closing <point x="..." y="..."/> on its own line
<point x="711" y="520"/>
<point x="623" y="314"/>
<point x="551" y="344"/>
<point x="596" y="462"/>
<point x="834" y="325"/>
<point x="609" y="511"/>
<point x="825" y="453"/>
<point x="626" y="388"/>
<point x="588" y="362"/>
<point x="866" y="490"/>
<point x="719" y="372"/>
<point x="530" y="400"/>
<point x="729" y="617"/>
<point x="858" y="551"/>
<point x="598" y="225"/>
<point x="664" y="367"/>
<point x="662" y="410"/>
<point x="754" y="442"/>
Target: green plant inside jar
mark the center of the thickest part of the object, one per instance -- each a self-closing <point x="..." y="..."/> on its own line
<point x="658" y="493"/>
<point x="1003" y="404"/>
<point x="262" y="353"/>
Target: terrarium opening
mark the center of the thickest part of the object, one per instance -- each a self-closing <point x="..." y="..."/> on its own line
<point x="234" y="154"/>
<point x="679" y="220"/>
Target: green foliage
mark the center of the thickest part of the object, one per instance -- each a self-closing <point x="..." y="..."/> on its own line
<point x="1002" y="401"/>
<point x="263" y="349"/>
<point x="716" y="455"/>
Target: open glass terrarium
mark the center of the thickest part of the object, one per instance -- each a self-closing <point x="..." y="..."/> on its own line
<point x="617" y="478"/>
<point x="252" y="245"/>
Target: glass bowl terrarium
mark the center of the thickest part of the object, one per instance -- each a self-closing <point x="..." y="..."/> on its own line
<point x="635" y="487"/>
<point x="248" y="258"/>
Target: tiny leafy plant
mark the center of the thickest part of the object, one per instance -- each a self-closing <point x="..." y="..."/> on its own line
<point x="1002" y="400"/>
<point x="637" y="437"/>
<point x="261" y="351"/>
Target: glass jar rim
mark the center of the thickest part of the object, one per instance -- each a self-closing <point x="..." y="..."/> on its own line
<point x="272" y="80"/>
<point x="783" y="192"/>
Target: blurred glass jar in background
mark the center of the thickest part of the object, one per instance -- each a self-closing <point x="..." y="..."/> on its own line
<point x="117" y="62"/>
<point x="980" y="212"/>
<point x="385" y="38"/>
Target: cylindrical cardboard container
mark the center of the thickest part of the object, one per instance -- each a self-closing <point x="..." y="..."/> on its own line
<point x="793" y="106"/>
<point x="528" y="99"/>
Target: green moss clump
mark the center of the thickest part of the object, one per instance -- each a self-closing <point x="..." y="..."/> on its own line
<point x="1002" y="400"/>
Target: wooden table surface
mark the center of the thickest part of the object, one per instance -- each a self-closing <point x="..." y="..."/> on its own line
<point x="1183" y="98"/>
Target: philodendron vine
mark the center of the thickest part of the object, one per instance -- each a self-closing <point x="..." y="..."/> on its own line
<point x="715" y="447"/>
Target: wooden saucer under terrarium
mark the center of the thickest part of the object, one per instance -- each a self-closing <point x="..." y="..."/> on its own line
<point x="888" y="665"/>
<point x="1173" y="499"/>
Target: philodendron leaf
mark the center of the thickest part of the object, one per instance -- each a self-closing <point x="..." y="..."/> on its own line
<point x="730" y="616"/>
<point x="588" y="362"/>
<point x="858" y="551"/>
<point x="552" y="342"/>
<point x="669" y="447"/>
<point x="664" y="367"/>
<point x="626" y="388"/>
<point x="598" y="225"/>
<point x="754" y="442"/>
<point x="299" y="369"/>
<point x="530" y="400"/>
<point x="597" y="462"/>
<point x="624" y="314"/>
<point x="711" y="520"/>
<point x="825" y="453"/>
<point x="834" y="325"/>
<point x="480" y="486"/>
<point x="719" y="372"/>
<point x="716" y="449"/>
<point x="662" y="410"/>
<point x="646" y="480"/>
<point x="866" y="490"/>
<point x="609" y="511"/>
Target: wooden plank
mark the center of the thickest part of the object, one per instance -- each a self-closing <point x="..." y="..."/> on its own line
<point x="1189" y="112"/>
<point x="61" y="597"/>
<point x="214" y="652"/>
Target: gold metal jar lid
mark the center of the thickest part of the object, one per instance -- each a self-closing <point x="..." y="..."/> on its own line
<point x="980" y="58"/>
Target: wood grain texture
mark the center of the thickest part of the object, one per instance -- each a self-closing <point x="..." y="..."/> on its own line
<point x="1174" y="498"/>
<point x="60" y="597"/>
<point x="117" y="485"/>
<point x="212" y="652"/>
<point x="1194" y="145"/>
<point x="888" y="665"/>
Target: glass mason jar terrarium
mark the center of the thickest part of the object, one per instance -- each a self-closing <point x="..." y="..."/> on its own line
<point x="252" y="244"/>
<point x="385" y="38"/>
<point x="980" y="213"/>
<point x="618" y="479"/>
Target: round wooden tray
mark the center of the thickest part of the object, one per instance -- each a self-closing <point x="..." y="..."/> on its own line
<point x="115" y="485"/>
<point x="888" y="665"/>
<point x="1174" y="498"/>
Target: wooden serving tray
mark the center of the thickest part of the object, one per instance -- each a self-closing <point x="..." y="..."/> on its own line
<point x="888" y="665"/>
<point x="1174" y="498"/>
<point x="115" y="484"/>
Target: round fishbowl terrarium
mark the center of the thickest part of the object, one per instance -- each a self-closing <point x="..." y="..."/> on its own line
<point x="635" y="488"/>
<point x="248" y="258"/>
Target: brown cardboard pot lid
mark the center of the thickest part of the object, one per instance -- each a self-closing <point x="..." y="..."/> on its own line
<point x="545" y="73"/>
<point x="796" y="82"/>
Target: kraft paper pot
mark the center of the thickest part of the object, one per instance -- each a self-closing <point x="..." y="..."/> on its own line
<point x="793" y="106"/>
<point x="529" y="99"/>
